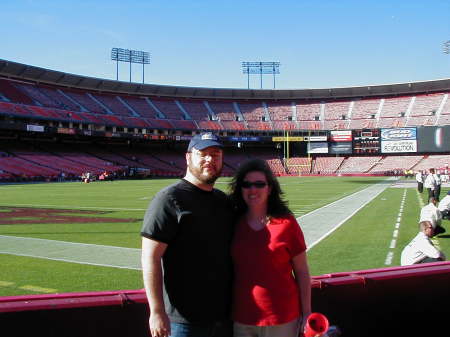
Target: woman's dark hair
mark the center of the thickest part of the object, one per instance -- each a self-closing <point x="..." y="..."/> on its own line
<point x="276" y="206"/>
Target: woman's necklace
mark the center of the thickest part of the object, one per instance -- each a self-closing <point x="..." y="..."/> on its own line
<point x="257" y="223"/>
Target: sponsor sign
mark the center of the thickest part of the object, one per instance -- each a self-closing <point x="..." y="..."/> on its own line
<point x="318" y="147"/>
<point x="341" y="136"/>
<point x="35" y="128"/>
<point x="291" y="139"/>
<point x="399" y="134"/>
<point x="66" y="131"/>
<point x="244" y="139"/>
<point x="316" y="138"/>
<point x="338" y="148"/>
<point x="397" y="146"/>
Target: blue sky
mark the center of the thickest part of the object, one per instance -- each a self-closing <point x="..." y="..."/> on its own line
<point x="320" y="44"/>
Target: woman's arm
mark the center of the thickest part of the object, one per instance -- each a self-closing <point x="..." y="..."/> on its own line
<point x="301" y="272"/>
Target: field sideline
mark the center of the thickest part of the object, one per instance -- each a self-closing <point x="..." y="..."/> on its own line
<point x="108" y="214"/>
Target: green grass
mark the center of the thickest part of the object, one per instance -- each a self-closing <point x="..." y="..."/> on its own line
<point x="360" y="243"/>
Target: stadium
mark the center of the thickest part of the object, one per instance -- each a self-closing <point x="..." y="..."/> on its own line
<point x="82" y="156"/>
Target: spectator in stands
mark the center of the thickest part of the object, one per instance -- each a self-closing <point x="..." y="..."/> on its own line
<point x="431" y="213"/>
<point x="268" y="247"/>
<point x="421" y="249"/>
<point x="430" y="183"/>
<point x="187" y="230"/>
<point x="444" y="207"/>
<point x="419" y="179"/>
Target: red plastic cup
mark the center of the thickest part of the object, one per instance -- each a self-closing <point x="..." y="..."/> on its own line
<point x="316" y="325"/>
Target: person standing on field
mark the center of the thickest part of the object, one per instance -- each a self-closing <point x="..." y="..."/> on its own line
<point x="186" y="260"/>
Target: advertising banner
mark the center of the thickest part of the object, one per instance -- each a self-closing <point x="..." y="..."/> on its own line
<point x="341" y="136"/>
<point x="398" y="140"/>
<point x="35" y="128"/>
<point x="398" y="134"/>
<point x="341" y="148"/>
<point x="397" y="146"/>
<point x="317" y="147"/>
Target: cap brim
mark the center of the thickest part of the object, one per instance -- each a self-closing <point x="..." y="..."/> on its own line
<point x="207" y="143"/>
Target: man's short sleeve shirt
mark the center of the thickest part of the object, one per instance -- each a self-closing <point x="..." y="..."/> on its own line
<point x="197" y="226"/>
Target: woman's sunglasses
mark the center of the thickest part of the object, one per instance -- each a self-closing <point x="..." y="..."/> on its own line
<point x="257" y="184"/>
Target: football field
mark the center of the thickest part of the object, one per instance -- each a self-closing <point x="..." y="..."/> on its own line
<point x="72" y="237"/>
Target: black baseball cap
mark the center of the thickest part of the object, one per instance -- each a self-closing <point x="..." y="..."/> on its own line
<point x="204" y="140"/>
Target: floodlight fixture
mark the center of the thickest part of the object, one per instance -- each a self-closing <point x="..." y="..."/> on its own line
<point x="261" y="68"/>
<point x="447" y="47"/>
<point x="130" y="56"/>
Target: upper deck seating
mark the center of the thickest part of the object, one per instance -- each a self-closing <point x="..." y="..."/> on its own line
<point x="365" y="108"/>
<point x="169" y="108"/>
<point x="308" y="112"/>
<point x="336" y="110"/>
<point x="113" y="104"/>
<point x="280" y="111"/>
<point x="140" y="106"/>
<point x="36" y="95"/>
<point x="223" y="110"/>
<point x="85" y="101"/>
<point x="395" y="106"/>
<point x="13" y="94"/>
<point x="252" y="111"/>
<point x="197" y="110"/>
<point x="356" y="124"/>
<point x="426" y="105"/>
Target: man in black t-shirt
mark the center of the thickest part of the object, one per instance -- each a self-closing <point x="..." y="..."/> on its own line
<point x="186" y="260"/>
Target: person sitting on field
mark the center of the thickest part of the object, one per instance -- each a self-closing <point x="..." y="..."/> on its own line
<point x="444" y="207"/>
<point x="431" y="213"/>
<point x="421" y="249"/>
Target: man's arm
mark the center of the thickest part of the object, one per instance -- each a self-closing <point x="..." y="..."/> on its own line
<point x="152" y="252"/>
<point x="301" y="271"/>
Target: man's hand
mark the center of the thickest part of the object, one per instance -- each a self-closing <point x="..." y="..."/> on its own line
<point x="159" y="324"/>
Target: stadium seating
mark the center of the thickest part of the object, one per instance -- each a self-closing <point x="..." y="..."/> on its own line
<point x="196" y="110"/>
<point x="280" y="111"/>
<point x="298" y="165"/>
<point x="365" y="109"/>
<point x="140" y="106"/>
<point x="113" y="104"/>
<point x="358" y="164"/>
<point x="169" y="108"/>
<point x="327" y="165"/>
<point x="336" y="110"/>
<point x="438" y="161"/>
<point x="395" y="106"/>
<point x="390" y="163"/>
<point x="308" y="112"/>
<point x="85" y="101"/>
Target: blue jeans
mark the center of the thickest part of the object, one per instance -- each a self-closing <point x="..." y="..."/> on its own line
<point x="217" y="329"/>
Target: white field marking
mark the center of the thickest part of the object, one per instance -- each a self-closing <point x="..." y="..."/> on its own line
<point x="390" y="254"/>
<point x="79" y="207"/>
<point x="38" y="289"/>
<point x="144" y="198"/>
<point x="393" y="243"/>
<point x="340" y="223"/>
<point x="6" y="284"/>
<point x="66" y="242"/>
<point x="389" y="258"/>
<point x="72" y="261"/>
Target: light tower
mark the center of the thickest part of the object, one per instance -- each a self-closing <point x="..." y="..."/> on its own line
<point x="130" y="56"/>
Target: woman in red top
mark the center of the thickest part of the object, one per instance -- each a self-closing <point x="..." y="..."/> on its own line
<point x="272" y="286"/>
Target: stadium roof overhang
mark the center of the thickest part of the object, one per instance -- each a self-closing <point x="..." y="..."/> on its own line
<point x="25" y="72"/>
